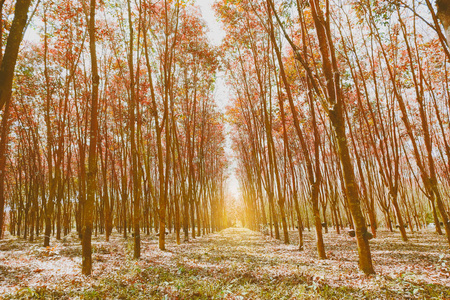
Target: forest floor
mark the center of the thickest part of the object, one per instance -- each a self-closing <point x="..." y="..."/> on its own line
<point x="235" y="263"/>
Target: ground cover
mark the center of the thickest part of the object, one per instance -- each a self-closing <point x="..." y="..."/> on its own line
<point x="235" y="263"/>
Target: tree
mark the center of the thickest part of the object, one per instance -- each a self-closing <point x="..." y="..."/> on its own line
<point x="92" y="160"/>
<point x="8" y="61"/>
<point x="335" y="113"/>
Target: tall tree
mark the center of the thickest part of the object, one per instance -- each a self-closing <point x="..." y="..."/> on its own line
<point x="8" y="61"/>
<point x="336" y="115"/>
<point x="92" y="160"/>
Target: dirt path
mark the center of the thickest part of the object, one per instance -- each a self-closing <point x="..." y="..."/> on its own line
<point x="233" y="264"/>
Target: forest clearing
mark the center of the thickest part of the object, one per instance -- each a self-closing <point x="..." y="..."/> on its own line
<point x="235" y="263"/>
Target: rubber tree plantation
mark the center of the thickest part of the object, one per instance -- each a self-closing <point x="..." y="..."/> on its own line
<point x="224" y="149"/>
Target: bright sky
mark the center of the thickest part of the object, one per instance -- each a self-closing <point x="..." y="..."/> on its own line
<point x="216" y="34"/>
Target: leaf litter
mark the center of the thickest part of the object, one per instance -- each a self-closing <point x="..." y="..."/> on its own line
<point x="235" y="263"/>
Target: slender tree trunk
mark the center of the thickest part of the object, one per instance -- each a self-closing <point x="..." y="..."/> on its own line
<point x="92" y="160"/>
<point x="335" y="113"/>
<point x="3" y="153"/>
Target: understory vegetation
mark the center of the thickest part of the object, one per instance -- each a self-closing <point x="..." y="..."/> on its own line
<point x="235" y="263"/>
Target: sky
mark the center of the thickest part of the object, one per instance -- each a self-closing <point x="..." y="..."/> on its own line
<point x="216" y="35"/>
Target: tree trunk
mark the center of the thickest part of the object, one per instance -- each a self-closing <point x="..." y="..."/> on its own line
<point x="335" y="113"/>
<point x="8" y="62"/>
<point x="92" y="160"/>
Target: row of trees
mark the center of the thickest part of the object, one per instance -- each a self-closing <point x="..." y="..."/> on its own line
<point x="112" y="124"/>
<point x="341" y="111"/>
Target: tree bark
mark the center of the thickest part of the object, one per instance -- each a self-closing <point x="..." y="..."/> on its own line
<point x="8" y="62"/>
<point x="335" y="113"/>
<point x="92" y="160"/>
